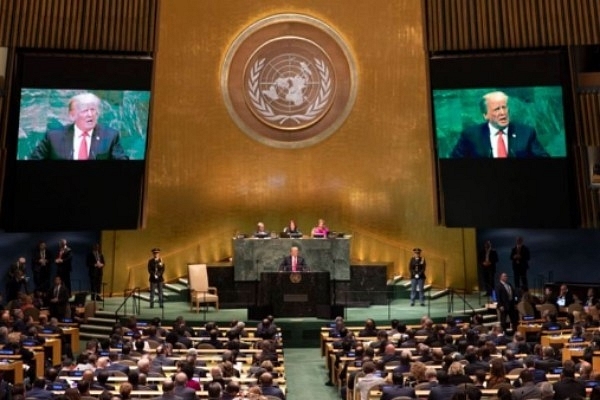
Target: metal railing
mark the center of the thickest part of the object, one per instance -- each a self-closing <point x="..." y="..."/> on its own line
<point x="136" y="306"/>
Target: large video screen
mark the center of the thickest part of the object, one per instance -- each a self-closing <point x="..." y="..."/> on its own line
<point x="501" y="124"/>
<point x="116" y="122"/>
<point x="468" y="120"/>
<point x="77" y="140"/>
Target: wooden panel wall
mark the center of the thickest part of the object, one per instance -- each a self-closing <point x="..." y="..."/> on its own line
<point x="454" y="25"/>
<point x="475" y="25"/>
<point x="105" y="25"/>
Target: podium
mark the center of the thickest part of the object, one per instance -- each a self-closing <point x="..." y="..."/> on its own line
<point x="294" y="294"/>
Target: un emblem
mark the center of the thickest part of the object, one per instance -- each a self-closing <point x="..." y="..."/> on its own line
<point x="295" y="277"/>
<point x="288" y="81"/>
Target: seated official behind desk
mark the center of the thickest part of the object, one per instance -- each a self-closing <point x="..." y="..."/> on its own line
<point x="261" y="231"/>
<point x="293" y="262"/>
<point x="291" y="231"/>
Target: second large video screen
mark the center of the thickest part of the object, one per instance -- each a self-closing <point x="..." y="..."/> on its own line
<point x="501" y="133"/>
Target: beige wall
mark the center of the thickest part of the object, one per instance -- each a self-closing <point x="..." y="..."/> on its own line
<point x="373" y="177"/>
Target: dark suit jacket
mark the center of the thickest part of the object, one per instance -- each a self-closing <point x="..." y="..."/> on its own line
<point x="156" y="269"/>
<point x="504" y="300"/>
<point x="474" y="142"/>
<point x="63" y="294"/>
<point x="41" y="394"/>
<point x="185" y="393"/>
<point x="67" y="260"/>
<point x="90" y="260"/>
<point x="547" y="365"/>
<point x="492" y="258"/>
<point x="389" y="392"/>
<point x="568" y="299"/>
<point x="35" y="261"/>
<point x="525" y="256"/>
<point x="569" y="388"/>
<point x="442" y="392"/>
<point x="417" y="266"/>
<point x="528" y="391"/>
<point x="286" y="264"/>
<point x="58" y="145"/>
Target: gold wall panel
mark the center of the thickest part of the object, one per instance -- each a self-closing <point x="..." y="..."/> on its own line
<point x="374" y="177"/>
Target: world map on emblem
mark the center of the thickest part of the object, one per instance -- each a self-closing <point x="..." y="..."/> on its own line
<point x="290" y="90"/>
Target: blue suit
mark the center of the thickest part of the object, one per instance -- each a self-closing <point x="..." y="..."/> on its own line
<point x="474" y="142"/>
<point x="58" y="145"/>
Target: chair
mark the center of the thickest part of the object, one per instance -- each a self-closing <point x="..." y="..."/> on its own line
<point x="525" y="309"/>
<point x="152" y="343"/>
<point x="33" y="313"/>
<point x="205" y="346"/>
<point x="551" y="308"/>
<point x="593" y="311"/>
<point x="575" y="307"/>
<point x="200" y="291"/>
<point x="515" y="371"/>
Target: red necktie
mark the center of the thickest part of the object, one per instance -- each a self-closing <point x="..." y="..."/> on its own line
<point x="293" y="264"/>
<point x="83" y="147"/>
<point x="502" y="153"/>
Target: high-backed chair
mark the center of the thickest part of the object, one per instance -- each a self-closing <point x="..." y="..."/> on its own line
<point x="200" y="291"/>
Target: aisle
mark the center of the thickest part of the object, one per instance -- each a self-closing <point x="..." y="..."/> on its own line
<point x="306" y="375"/>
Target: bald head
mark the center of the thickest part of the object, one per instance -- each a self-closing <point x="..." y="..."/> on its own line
<point x="180" y="379"/>
<point x="390" y="349"/>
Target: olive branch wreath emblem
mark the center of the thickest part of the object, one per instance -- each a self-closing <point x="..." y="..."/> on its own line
<point x="264" y="109"/>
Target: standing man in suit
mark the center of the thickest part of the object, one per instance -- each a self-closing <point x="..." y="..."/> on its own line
<point x="293" y="262"/>
<point x="17" y="280"/>
<point x="64" y="263"/>
<point x="488" y="258"/>
<point x="156" y="269"/>
<point x="84" y="139"/>
<point x="416" y="267"/>
<point x="498" y="137"/>
<point x="520" y="256"/>
<point x="506" y="294"/>
<point x="95" y="264"/>
<point x="41" y="261"/>
<point x="59" y="296"/>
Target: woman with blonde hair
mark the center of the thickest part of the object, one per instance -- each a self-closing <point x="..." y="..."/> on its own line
<point x="417" y="372"/>
<point x="456" y="374"/>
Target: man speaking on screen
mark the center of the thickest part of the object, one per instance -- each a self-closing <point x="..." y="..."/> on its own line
<point x="498" y="137"/>
<point x="84" y="139"/>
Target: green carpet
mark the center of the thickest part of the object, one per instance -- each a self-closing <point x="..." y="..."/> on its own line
<point x="305" y="375"/>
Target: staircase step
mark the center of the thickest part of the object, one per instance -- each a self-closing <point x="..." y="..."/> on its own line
<point x="145" y="296"/>
<point x="105" y="314"/>
<point x="176" y="287"/>
<point x="95" y="328"/>
<point x="89" y="336"/>
<point x="101" y="321"/>
<point x="184" y="281"/>
<point x="438" y="294"/>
